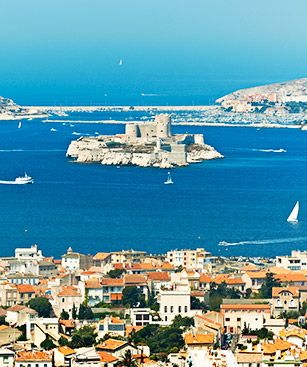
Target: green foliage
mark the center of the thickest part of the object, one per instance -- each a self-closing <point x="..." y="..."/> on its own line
<point x="182" y="322"/>
<point x="63" y="341"/>
<point x="116" y="273"/>
<point x="127" y="360"/>
<point x="41" y="305"/>
<point x="23" y="336"/>
<point x="196" y="304"/>
<point x="133" y="297"/>
<point x="152" y="301"/>
<point x="48" y="344"/>
<point x="74" y="312"/>
<point x="83" y="337"/>
<point x="85" y="313"/>
<point x="163" y="340"/>
<point x="64" y="315"/>
<point x="2" y="320"/>
<point x="218" y="292"/>
<point x="268" y="284"/>
<point x="262" y="333"/>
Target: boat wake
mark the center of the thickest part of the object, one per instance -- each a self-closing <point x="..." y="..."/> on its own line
<point x="263" y="242"/>
<point x="270" y="150"/>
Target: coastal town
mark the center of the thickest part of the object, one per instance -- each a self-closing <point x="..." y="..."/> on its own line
<point x="184" y="308"/>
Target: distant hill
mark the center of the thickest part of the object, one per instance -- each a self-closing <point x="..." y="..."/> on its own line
<point x="284" y="97"/>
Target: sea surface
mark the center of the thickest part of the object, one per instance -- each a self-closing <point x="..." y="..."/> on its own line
<point x="243" y="199"/>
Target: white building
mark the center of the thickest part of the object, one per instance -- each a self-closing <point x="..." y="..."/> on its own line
<point x="198" y="259"/>
<point x="7" y="357"/>
<point x="175" y="301"/>
<point x="140" y="316"/>
<point x="297" y="261"/>
<point x="29" y="253"/>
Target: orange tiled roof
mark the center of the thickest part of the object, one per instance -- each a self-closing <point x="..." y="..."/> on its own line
<point x="25" y="288"/>
<point x="92" y="284"/>
<point x="117" y="320"/>
<point x="277" y="290"/>
<point x="112" y="281"/>
<point x="111" y="344"/>
<point x="69" y="291"/>
<point x="257" y="274"/>
<point x="291" y="277"/>
<point x="134" y="279"/>
<point x="107" y="357"/>
<point x="234" y="281"/>
<point x="34" y="356"/>
<point x="68" y="323"/>
<point x="249" y="267"/>
<point x="159" y="275"/>
<point x="66" y="350"/>
<point x="211" y="323"/>
<point x="204" y="278"/>
<point x="101" y="256"/>
<point x="199" y="338"/>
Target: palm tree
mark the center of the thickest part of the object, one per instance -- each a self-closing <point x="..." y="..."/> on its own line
<point x="127" y="360"/>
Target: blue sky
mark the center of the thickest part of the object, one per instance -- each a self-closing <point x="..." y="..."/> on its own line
<point x="65" y="51"/>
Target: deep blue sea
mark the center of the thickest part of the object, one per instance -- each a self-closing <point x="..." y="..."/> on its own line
<point x="242" y="199"/>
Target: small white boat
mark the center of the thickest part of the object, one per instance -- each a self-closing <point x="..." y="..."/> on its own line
<point x="22" y="180"/>
<point x="169" y="180"/>
<point x="53" y="129"/>
<point x="120" y="63"/>
<point x="294" y="214"/>
<point x="19" y="125"/>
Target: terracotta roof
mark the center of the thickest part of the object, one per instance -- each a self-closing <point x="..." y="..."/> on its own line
<point x="199" y="338"/>
<point x="118" y="266"/>
<point x="112" y="281"/>
<point x="107" y="357"/>
<point x="291" y="277"/>
<point x="300" y="333"/>
<point x="238" y="306"/>
<point x="279" y="344"/>
<point x="68" y="323"/>
<point x="68" y="291"/>
<point x="303" y="356"/>
<point x="220" y="278"/>
<point x="4" y="327"/>
<point x="101" y="256"/>
<point x="134" y="279"/>
<point x="19" y="308"/>
<point x="256" y="274"/>
<point x="233" y="281"/>
<point x="92" y="284"/>
<point x="159" y="275"/>
<point x="277" y="290"/>
<point x="25" y="288"/>
<point x="249" y="267"/>
<point x="204" y="278"/>
<point x="117" y="320"/>
<point x="111" y="344"/>
<point x="66" y="350"/>
<point x="34" y="356"/>
<point x="209" y="322"/>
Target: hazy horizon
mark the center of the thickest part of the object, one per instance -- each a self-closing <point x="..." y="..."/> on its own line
<point x="174" y="52"/>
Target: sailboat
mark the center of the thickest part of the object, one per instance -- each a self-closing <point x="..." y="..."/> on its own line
<point x="19" y="125"/>
<point x="120" y="63"/>
<point x="294" y="214"/>
<point x="169" y="180"/>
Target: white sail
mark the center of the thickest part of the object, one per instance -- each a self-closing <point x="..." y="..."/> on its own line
<point x="294" y="214"/>
<point x="169" y="180"/>
<point x="19" y="125"/>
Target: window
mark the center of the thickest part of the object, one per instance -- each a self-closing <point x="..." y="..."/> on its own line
<point x="238" y="319"/>
<point x="227" y="319"/>
<point x="146" y="317"/>
<point x="172" y="308"/>
<point x="185" y="309"/>
<point x="165" y="308"/>
<point x="179" y="309"/>
<point x="63" y="299"/>
<point x="165" y="318"/>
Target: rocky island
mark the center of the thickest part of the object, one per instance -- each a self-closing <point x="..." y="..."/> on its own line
<point x="146" y="144"/>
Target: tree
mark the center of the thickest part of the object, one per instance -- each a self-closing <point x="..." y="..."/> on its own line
<point x="83" y="337"/>
<point x="196" y="304"/>
<point x="218" y="292"/>
<point x="64" y="315"/>
<point x="74" y="312"/>
<point x="127" y="360"/>
<point x="48" y="344"/>
<point x="2" y="320"/>
<point x="182" y="322"/>
<point x="116" y="273"/>
<point x="133" y="297"/>
<point x="85" y="313"/>
<point x="42" y="305"/>
<point x="268" y="284"/>
<point x="63" y="341"/>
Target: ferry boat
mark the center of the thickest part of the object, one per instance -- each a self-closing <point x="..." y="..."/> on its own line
<point x="22" y="180"/>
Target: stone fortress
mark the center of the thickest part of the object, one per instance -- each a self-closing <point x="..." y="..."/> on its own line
<point x="144" y="144"/>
